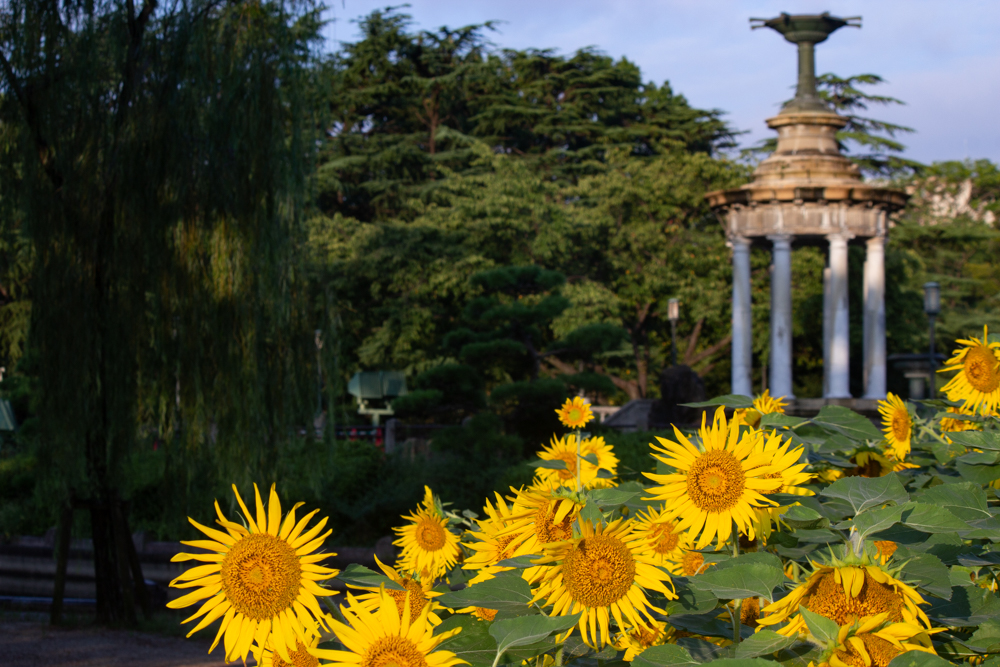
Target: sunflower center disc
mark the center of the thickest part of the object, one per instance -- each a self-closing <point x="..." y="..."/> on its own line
<point x="692" y="563"/>
<point x="666" y="540"/>
<point x="547" y="529"/>
<point x="900" y="426"/>
<point x="416" y="594"/>
<point x="981" y="369"/>
<point x="879" y="650"/>
<point x="599" y="571"/>
<point x="393" y="652"/>
<point x="430" y="535"/>
<point x="261" y="576"/>
<point x="570" y="471"/>
<point x="827" y="599"/>
<point x="715" y="481"/>
<point x="300" y="658"/>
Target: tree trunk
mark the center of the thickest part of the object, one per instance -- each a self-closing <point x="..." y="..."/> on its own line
<point x="63" y="536"/>
<point x="115" y="601"/>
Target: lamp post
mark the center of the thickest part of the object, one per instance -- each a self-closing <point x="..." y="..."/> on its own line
<point x="932" y="306"/>
<point x="673" y="314"/>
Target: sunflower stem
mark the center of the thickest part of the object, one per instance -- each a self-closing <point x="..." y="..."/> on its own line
<point x="579" y="463"/>
<point x="737" y="604"/>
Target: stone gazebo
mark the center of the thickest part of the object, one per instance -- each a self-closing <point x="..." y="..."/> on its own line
<point x="808" y="192"/>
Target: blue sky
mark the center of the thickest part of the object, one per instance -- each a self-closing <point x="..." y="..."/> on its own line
<point x="941" y="58"/>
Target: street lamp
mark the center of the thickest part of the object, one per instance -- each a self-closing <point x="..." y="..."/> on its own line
<point x="673" y="314"/>
<point x="932" y="306"/>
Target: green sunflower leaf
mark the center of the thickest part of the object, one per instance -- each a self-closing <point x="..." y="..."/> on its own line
<point x="505" y="592"/>
<point x="763" y="642"/>
<point x="777" y="419"/>
<point x="985" y="440"/>
<point x="965" y="500"/>
<point x="749" y="575"/>
<point x="987" y="637"/>
<point x="613" y="497"/>
<point x="931" y="518"/>
<point x="473" y="644"/>
<point x="666" y="655"/>
<point x="969" y="606"/>
<point x="918" y="659"/>
<point x="735" y="401"/>
<point x="929" y="573"/>
<point x="864" y="492"/>
<point x="847" y="422"/>
<point x="359" y="575"/>
<point x="821" y="627"/>
<point x="526" y="630"/>
<point x="875" y="519"/>
<point x="557" y="464"/>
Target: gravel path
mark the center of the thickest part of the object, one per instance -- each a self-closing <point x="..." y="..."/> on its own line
<point x="32" y="644"/>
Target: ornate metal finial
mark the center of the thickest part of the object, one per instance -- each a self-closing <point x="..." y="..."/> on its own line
<point x="806" y="30"/>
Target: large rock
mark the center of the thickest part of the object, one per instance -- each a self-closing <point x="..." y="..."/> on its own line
<point x="678" y="385"/>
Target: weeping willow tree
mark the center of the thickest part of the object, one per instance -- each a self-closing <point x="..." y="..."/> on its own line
<point x="161" y="153"/>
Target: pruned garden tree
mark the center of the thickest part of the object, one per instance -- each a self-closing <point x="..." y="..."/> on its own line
<point x="161" y="152"/>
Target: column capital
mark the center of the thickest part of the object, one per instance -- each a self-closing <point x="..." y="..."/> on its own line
<point x="735" y="241"/>
<point x="780" y="240"/>
<point x="875" y="241"/>
<point x="839" y="237"/>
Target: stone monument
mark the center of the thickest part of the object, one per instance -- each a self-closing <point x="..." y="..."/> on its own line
<point x="808" y="192"/>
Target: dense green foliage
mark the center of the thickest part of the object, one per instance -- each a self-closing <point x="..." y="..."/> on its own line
<point x="170" y="244"/>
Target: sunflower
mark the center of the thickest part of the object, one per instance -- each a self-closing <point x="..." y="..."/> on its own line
<point x="492" y="544"/>
<point x="874" y="643"/>
<point x="387" y="638"/>
<point x="885" y="550"/>
<point x="762" y="405"/>
<point x="846" y="591"/>
<point x="666" y="543"/>
<point x="575" y="413"/>
<point x="978" y="383"/>
<point x="416" y="591"/>
<point x="300" y="655"/>
<point x="719" y="483"/>
<point x="564" y="449"/>
<point x="898" y="425"/>
<point x="949" y="425"/>
<point x="692" y="563"/>
<point x="636" y="640"/>
<point x="539" y="518"/>
<point x="785" y="466"/>
<point x="429" y="548"/>
<point x="602" y="574"/>
<point x="262" y="580"/>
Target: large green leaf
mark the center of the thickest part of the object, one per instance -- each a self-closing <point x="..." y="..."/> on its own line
<point x="985" y="440"/>
<point x="968" y="606"/>
<point x="778" y="420"/>
<point x="557" y="464"/>
<point x="929" y="573"/>
<point x="667" y="655"/>
<point x="875" y="519"/>
<point x="918" y="659"/>
<point x="729" y="400"/>
<point x="506" y="591"/>
<point x="526" y="630"/>
<point x="605" y="498"/>
<point x="473" y="644"/>
<point x="821" y="627"/>
<point x="690" y="599"/>
<point x="965" y="500"/>
<point x="798" y="516"/>
<point x="864" y="492"/>
<point x="763" y="642"/>
<point x="931" y="518"/>
<point x="750" y="575"/>
<point x="359" y="575"/>
<point x="847" y="422"/>
<point x="987" y="637"/>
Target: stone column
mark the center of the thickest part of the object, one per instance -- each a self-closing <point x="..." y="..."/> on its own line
<point x="838" y="358"/>
<point x="827" y="320"/>
<point x="874" y="319"/>
<point x="742" y="324"/>
<point x="780" y="382"/>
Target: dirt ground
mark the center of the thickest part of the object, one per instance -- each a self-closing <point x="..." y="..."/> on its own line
<point x="24" y="644"/>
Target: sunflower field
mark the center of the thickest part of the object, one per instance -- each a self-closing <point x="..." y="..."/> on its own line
<point x="758" y="538"/>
